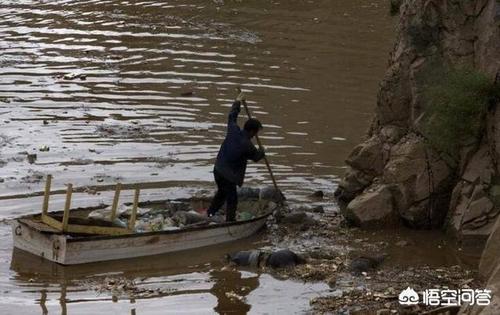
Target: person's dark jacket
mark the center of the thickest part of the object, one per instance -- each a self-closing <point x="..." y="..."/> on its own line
<point x="236" y="149"/>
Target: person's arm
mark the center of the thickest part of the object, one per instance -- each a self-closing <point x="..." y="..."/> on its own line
<point x="233" y="114"/>
<point x="255" y="154"/>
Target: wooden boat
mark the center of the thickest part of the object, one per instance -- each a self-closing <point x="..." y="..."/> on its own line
<point x="76" y="239"/>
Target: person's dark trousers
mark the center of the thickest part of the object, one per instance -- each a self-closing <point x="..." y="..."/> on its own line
<point x="226" y="192"/>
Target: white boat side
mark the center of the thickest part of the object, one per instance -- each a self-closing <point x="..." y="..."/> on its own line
<point x="67" y="250"/>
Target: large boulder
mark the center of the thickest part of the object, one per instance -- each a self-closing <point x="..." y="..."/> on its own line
<point x="367" y="156"/>
<point x="475" y="204"/>
<point x="489" y="268"/>
<point x="421" y="180"/>
<point x="373" y="208"/>
<point x="353" y="183"/>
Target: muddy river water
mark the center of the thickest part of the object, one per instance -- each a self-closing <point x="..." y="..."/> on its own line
<point x="138" y="91"/>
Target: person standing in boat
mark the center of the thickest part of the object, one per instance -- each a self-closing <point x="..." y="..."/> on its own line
<point x="231" y="162"/>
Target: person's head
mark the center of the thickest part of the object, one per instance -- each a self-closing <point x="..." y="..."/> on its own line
<point x="252" y="127"/>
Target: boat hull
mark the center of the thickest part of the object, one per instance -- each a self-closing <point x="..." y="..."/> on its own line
<point x="67" y="250"/>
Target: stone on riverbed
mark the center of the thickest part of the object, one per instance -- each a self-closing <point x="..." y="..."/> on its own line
<point x="374" y="208"/>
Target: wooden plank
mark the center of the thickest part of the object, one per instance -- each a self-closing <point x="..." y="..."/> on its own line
<point x="52" y="222"/>
<point x="131" y="224"/>
<point x="84" y="229"/>
<point x="39" y="225"/>
<point x="115" y="201"/>
<point x="45" y="205"/>
<point x="93" y="229"/>
<point x="67" y="205"/>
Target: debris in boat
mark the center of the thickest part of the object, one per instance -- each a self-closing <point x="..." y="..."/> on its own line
<point x="105" y="214"/>
<point x="280" y="259"/>
<point x="188" y="217"/>
<point x="173" y="215"/>
<point x="243" y="216"/>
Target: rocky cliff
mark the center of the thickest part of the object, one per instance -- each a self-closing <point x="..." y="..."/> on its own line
<point x="395" y="176"/>
<point x="489" y="269"/>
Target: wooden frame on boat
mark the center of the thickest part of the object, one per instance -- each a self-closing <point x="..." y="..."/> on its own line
<point x="66" y="227"/>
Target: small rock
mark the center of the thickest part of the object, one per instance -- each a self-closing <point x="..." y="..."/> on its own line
<point x="294" y="217"/>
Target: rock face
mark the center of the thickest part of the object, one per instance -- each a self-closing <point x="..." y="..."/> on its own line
<point x="489" y="268"/>
<point x="394" y="173"/>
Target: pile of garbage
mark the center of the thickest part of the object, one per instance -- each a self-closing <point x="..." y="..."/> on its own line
<point x="177" y="214"/>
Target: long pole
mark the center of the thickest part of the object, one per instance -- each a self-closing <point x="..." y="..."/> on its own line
<point x="260" y="146"/>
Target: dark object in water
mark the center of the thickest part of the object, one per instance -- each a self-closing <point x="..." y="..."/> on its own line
<point x="31" y="158"/>
<point x="245" y="258"/>
<point x="284" y="258"/>
<point x="188" y="93"/>
<point x="366" y="263"/>
<point x="271" y="193"/>
<point x="256" y="258"/>
<point x="318" y="194"/>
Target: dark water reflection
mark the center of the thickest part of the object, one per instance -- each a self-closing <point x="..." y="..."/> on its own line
<point x="159" y="79"/>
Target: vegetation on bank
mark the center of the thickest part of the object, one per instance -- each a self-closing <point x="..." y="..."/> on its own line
<point x="456" y="103"/>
